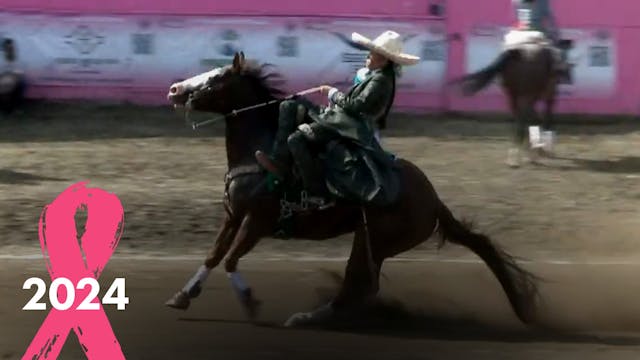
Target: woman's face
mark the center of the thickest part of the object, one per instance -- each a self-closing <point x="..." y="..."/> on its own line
<point x="376" y="61"/>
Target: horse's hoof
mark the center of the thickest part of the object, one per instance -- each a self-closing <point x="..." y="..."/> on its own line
<point x="297" y="319"/>
<point x="180" y="301"/>
<point x="534" y="155"/>
<point x="250" y="304"/>
<point x="316" y="317"/>
<point x="514" y="164"/>
<point x="513" y="158"/>
<point x="549" y="154"/>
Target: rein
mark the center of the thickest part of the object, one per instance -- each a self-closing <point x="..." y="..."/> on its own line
<point x="195" y="125"/>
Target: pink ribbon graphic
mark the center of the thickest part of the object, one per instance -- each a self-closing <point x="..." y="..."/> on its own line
<point x="64" y="257"/>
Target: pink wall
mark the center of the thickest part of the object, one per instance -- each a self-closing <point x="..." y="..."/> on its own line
<point x="402" y="8"/>
<point x="618" y="16"/>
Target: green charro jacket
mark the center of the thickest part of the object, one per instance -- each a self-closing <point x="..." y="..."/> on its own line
<point x="355" y="113"/>
<point x="358" y="169"/>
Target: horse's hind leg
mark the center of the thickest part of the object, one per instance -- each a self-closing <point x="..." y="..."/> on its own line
<point x="519" y="131"/>
<point x="547" y="121"/>
<point x="362" y="275"/>
<point x="548" y="134"/>
<point x="193" y="287"/>
<point x="360" y="283"/>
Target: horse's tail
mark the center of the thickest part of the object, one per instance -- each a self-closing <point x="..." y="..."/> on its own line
<point x="473" y="83"/>
<point x="519" y="284"/>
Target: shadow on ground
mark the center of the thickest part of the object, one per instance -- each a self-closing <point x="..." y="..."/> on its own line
<point x="391" y="318"/>
<point x="619" y="165"/>
<point x="8" y="176"/>
<point x="622" y="165"/>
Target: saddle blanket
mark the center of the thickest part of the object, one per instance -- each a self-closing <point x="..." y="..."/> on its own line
<point x="515" y="38"/>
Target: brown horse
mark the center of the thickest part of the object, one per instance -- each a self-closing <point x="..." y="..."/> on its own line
<point x="380" y="232"/>
<point x="528" y="75"/>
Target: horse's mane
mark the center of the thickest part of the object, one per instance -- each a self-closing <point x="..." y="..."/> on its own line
<point x="268" y="81"/>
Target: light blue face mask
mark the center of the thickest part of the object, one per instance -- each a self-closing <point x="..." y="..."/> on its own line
<point x="360" y="75"/>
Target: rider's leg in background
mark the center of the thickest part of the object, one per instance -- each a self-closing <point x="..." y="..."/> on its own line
<point x="562" y="51"/>
<point x="565" y="66"/>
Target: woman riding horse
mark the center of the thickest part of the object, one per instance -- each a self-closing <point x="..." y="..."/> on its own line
<point x="362" y="74"/>
<point x="380" y="233"/>
<point x="352" y="115"/>
<point x="530" y="67"/>
<point x="537" y="15"/>
<point x="531" y="16"/>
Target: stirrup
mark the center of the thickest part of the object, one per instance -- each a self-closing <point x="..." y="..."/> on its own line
<point x="321" y="203"/>
<point x="327" y="205"/>
<point x="317" y="202"/>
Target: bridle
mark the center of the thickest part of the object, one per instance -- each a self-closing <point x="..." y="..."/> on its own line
<point x="233" y="113"/>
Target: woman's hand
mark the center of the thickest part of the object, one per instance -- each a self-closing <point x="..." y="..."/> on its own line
<point x="324" y="89"/>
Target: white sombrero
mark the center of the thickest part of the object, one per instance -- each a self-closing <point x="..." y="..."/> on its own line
<point x="389" y="45"/>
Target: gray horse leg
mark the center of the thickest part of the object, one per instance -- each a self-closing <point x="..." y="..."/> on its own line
<point x="519" y="131"/>
<point x="182" y="299"/>
<point x="548" y="134"/>
<point x="245" y="239"/>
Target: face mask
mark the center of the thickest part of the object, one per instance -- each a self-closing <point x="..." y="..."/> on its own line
<point x="361" y="75"/>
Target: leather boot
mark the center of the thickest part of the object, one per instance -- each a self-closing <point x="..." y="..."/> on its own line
<point x="278" y="162"/>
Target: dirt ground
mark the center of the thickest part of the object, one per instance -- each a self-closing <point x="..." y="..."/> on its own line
<point x="445" y="311"/>
<point x="575" y="217"/>
<point x="583" y="205"/>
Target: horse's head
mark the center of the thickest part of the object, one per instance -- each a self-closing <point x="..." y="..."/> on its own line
<point x="221" y="90"/>
<point x="239" y="85"/>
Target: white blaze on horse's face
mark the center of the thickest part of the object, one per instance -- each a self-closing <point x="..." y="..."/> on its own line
<point x="186" y="86"/>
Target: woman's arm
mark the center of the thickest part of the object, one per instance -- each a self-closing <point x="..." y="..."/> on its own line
<point x="375" y="91"/>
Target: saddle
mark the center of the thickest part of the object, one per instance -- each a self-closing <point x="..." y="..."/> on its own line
<point x="516" y="38"/>
<point x="294" y="200"/>
<point x="347" y="172"/>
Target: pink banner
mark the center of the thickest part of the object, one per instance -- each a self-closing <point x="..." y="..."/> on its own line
<point x="125" y="49"/>
<point x="330" y="8"/>
<point x="135" y="57"/>
<point x="605" y="61"/>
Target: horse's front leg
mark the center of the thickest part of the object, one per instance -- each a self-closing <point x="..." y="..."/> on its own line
<point x="247" y="237"/>
<point x="193" y="287"/>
